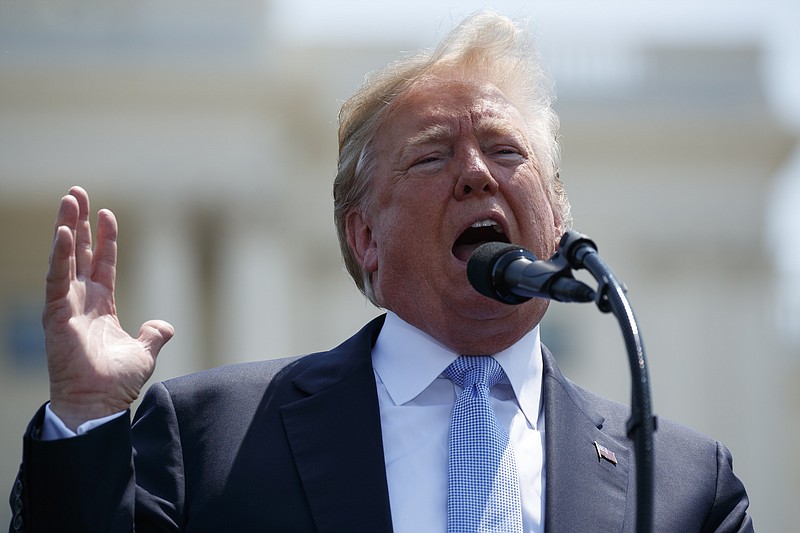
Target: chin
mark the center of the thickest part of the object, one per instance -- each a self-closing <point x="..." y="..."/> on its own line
<point x="486" y="309"/>
<point x="475" y="306"/>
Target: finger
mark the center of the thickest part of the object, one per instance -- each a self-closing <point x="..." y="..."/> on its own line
<point x="67" y="214"/>
<point x="62" y="265"/>
<point x="83" y="234"/>
<point x="61" y="269"/>
<point x="104" y="267"/>
<point x="154" y="334"/>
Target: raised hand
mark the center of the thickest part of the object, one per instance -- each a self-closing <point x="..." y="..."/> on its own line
<point x="96" y="368"/>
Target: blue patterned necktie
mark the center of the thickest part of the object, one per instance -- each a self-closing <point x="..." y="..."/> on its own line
<point x="483" y="488"/>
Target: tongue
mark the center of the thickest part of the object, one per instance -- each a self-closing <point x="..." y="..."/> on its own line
<point x="464" y="251"/>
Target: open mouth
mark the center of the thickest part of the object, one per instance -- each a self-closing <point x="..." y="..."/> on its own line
<point x="479" y="233"/>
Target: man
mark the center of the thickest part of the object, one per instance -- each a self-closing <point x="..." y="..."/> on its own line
<point x="438" y="153"/>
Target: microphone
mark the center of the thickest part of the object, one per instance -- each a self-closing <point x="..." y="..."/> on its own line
<point x="513" y="275"/>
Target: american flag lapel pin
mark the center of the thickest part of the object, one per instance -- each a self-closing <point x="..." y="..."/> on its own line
<point x="605" y="453"/>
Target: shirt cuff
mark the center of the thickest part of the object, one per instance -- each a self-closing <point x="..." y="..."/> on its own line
<point x="53" y="428"/>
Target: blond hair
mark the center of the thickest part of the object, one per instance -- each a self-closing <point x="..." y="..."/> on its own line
<point x="485" y="47"/>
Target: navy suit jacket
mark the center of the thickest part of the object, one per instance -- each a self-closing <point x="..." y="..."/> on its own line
<point x="295" y="445"/>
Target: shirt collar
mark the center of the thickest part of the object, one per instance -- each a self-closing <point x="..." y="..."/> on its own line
<point x="407" y="360"/>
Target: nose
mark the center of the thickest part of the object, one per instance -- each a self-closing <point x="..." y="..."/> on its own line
<point x="475" y="178"/>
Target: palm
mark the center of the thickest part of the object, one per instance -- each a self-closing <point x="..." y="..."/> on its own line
<point x="95" y="367"/>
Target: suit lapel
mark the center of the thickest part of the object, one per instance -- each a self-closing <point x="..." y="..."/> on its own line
<point x="335" y="436"/>
<point x="585" y="490"/>
<point x="336" y="429"/>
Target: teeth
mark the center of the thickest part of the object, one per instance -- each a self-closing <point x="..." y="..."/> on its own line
<point x="488" y="223"/>
<point x="484" y="224"/>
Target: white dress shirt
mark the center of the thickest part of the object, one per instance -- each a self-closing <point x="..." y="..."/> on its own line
<point x="53" y="428"/>
<point x="416" y="403"/>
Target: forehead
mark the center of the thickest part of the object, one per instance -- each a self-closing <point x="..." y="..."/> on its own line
<point x="437" y="106"/>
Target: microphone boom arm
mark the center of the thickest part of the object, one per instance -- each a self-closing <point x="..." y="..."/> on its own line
<point x="580" y="252"/>
<point x="513" y="275"/>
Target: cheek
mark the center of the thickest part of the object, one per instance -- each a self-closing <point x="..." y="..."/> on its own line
<point x="394" y="237"/>
<point x="541" y="221"/>
<point x="409" y="241"/>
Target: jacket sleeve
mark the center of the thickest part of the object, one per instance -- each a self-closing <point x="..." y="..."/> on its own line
<point x="108" y="479"/>
<point x="158" y="457"/>
<point x="85" y="483"/>
<point x="729" y="512"/>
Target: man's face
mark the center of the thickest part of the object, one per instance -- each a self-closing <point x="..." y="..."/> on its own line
<point x="454" y="169"/>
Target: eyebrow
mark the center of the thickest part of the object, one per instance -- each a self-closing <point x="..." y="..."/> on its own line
<point x="432" y="134"/>
<point x="441" y="132"/>
<point x="498" y="126"/>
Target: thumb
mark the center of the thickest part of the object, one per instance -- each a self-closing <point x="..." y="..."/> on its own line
<point x="154" y="334"/>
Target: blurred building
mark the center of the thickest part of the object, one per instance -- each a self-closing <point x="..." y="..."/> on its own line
<point x="210" y="129"/>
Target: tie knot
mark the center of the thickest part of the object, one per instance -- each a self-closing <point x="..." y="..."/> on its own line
<point x="467" y="371"/>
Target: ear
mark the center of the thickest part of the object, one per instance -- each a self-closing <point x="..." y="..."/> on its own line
<point x="361" y="241"/>
<point x="558" y="226"/>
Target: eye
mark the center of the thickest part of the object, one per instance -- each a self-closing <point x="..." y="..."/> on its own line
<point x="507" y="154"/>
<point x="431" y="162"/>
<point x="427" y="159"/>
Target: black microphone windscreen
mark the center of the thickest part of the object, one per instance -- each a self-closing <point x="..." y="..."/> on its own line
<point x="481" y="266"/>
